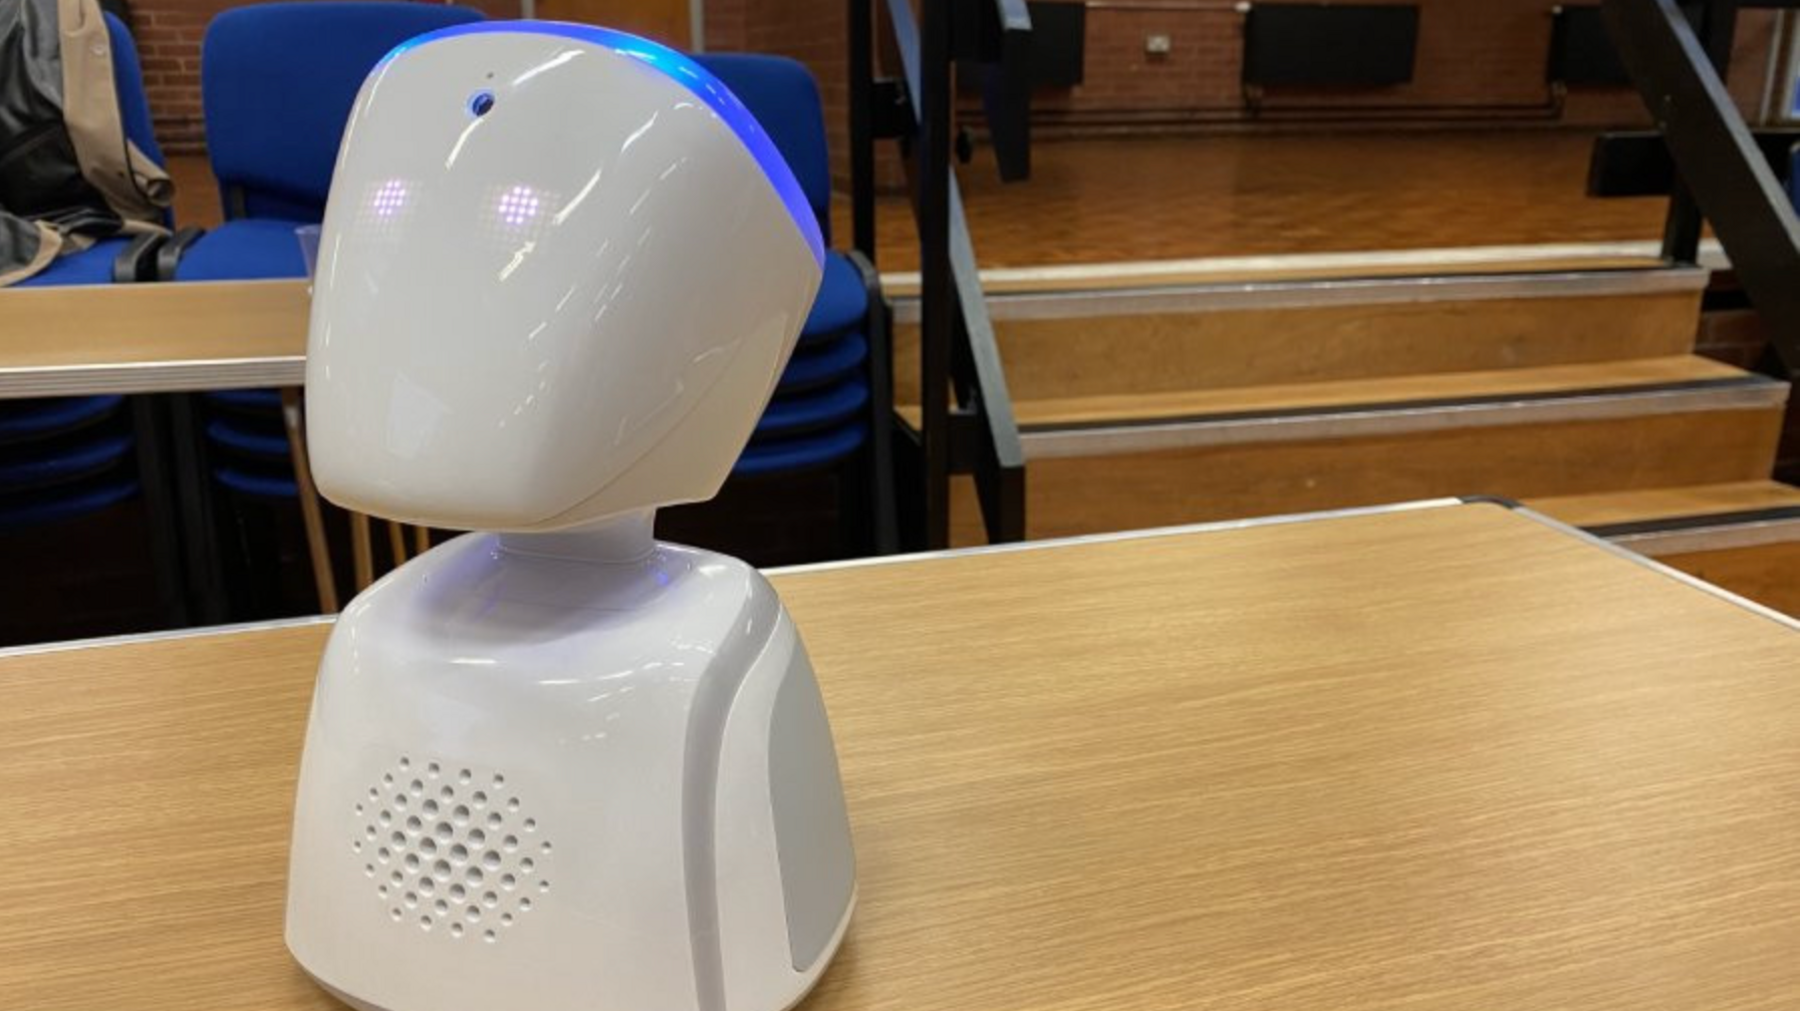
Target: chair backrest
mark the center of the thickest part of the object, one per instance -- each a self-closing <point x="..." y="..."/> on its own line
<point x="128" y="83"/>
<point x="277" y="81"/>
<point x="784" y="98"/>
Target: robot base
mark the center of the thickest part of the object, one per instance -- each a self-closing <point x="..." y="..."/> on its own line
<point x="812" y="978"/>
<point x="568" y="772"/>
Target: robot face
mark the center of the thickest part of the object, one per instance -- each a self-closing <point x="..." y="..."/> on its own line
<point x="560" y="272"/>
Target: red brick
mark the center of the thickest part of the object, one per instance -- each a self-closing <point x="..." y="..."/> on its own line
<point x="1484" y="55"/>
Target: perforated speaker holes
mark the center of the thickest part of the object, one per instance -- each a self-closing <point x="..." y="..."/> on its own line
<point x="450" y="850"/>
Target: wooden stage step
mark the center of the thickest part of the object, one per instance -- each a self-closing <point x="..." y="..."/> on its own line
<point x="1176" y="340"/>
<point x="1662" y="505"/>
<point x="1524" y="434"/>
<point x="1466" y="388"/>
<point x="1576" y="392"/>
<point x="1461" y="261"/>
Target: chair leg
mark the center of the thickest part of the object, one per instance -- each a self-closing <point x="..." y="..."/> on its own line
<point x="361" y="550"/>
<point x="204" y="568"/>
<point x="884" y="515"/>
<point x="856" y="507"/>
<point x="160" y="507"/>
<point x="397" y="542"/>
<point x="421" y="540"/>
<point x="324" y="577"/>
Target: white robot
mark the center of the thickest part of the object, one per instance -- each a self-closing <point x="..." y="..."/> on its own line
<point x="557" y="764"/>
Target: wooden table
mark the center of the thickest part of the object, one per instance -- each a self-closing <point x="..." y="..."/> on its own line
<point x="1444" y="757"/>
<point x="152" y="338"/>
<point x="81" y="340"/>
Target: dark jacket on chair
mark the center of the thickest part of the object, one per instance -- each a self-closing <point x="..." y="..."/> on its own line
<point x="69" y="174"/>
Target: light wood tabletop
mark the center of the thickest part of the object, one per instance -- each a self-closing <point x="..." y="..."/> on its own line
<point x="1446" y="757"/>
<point x="152" y="338"/>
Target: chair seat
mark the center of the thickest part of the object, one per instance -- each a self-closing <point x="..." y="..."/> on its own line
<point x="809" y="412"/>
<point x="256" y="485"/>
<point x="92" y="265"/>
<point x="825" y="363"/>
<point x="842" y="302"/>
<point x="247" y="441"/>
<point x="46" y="509"/>
<point x="804" y="453"/>
<point x="245" y="250"/>
<point x="50" y="468"/>
<point x="22" y="419"/>
<point x="258" y="401"/>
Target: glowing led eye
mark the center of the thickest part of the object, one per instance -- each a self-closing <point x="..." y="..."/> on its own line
<point x="518" y="205"/>
<point x="389" y="198"/>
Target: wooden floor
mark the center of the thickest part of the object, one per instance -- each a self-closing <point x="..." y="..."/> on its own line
<point x="1109" y="200"/>
<point x="1190" y="197"/>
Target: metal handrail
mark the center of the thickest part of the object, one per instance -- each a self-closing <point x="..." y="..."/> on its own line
<point x="1723" y="175"/>
<point x="958" y="353"/>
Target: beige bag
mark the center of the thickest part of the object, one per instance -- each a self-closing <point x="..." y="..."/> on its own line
<point x="70" y="175"/>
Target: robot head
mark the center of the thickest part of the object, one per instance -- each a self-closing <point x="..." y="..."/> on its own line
<point x="560" y="272"/>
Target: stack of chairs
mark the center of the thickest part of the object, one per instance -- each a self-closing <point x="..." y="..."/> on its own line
<point x="64" y="460"/>
<point x="821" y="449"/>
<point x="278" y="81"/>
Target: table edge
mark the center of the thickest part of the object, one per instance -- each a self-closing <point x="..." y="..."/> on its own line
<point x="1782" y="620"/>
<point x="184" y="375"/>
<point x="1761" y="610"/>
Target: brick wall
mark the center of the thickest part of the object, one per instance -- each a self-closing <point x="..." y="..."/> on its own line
<point x="726" y="27"/>
<point x="1477" y="59"/>
<point x="811" y="31"/>
<point x="168" y="38"/>
<point x="1196" y="78"/>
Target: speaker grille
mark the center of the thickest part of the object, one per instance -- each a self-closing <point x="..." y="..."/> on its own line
<point x="451" y="849"/>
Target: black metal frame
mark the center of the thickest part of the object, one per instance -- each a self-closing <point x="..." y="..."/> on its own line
<point x="958" y="355"/>
<point x="993" y="41"/>
<point x="203" y="568"/>
<point x="880" y="524"/>
<point x="1636" y="163"/>
<point x="136" y="262"/>
<point x="149" y="418"/>
<point x="1678" y="55"/>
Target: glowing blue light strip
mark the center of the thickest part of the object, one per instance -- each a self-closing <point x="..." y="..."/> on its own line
<point x="686" y="72"/>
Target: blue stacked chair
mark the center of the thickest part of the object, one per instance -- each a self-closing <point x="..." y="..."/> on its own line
<point x="248" y="438"/>
<point x="277" y="82"/>
<point x="66" y="457"/>
<point x="65" y="460"/>
<point x="831" y="406"/>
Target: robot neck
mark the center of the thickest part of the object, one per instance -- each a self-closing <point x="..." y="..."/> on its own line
<point x="626" y="538"/>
